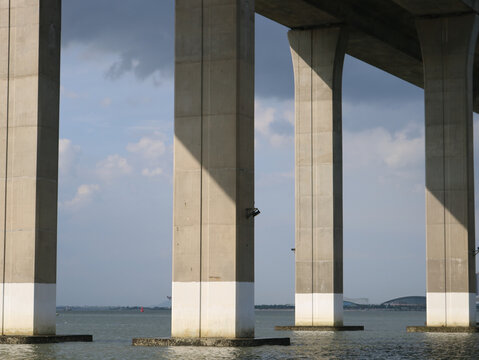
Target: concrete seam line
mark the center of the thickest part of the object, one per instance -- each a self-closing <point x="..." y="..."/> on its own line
<point x="312" y="165"/>
<point x="443" y="63"/>
<point x="6" y="165"/>
<point x="201" y="164"/>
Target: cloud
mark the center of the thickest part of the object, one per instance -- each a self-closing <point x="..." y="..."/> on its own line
<point x="68" y="157"/>
<point x="274" y="121"/>
<point x="394" y="157"/>
<point x="274" y="69"/>
<point x="142" y="35"/>
<point x="83" y="195"/>
<point x="402" y="150"/>
<point x="151" y="172"/>
<point x="150" y="149"/>
<point x="142" y="38"/>
<point x="113" y="166"/>
<point x="381" y="147"/>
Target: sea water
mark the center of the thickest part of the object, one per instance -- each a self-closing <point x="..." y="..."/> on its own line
<point x="384" y="337"/>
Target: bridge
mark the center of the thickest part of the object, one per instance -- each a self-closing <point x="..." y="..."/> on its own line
<point x="428" y="43"/>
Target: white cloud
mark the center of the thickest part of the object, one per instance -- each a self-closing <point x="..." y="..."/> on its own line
<point x="264" y="116"/>
<point x="83" y="195"/>
<point x="151" y="172"/>
<point x="113" y="166"/>
<point x="274" y="122"/>
<point x="68" y="157"/>
<point x="149" y="147"/>
<point x="393" y="157"/>
<point x="380" y="147"/>
<point x="401" y="150"/>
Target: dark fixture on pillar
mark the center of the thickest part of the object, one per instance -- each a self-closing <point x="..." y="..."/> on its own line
<point x="252" y="212"/>
<point x="475" y="252"/>
<point x="293" y="249"/>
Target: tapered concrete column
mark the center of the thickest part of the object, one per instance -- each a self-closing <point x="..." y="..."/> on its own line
<point x="448" y="45"/>
<point x="29" y="104"/>
<point x="213" y="235"/>
<point x="318" y="57"/>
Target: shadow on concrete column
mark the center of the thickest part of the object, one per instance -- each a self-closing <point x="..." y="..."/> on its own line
<point x="29" y="113"/>
<point x="318" y="56"/>
<point x="448" y="44"/>
<point x="213" y="234"/>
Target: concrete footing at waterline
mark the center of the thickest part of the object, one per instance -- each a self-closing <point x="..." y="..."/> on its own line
<point x="43" y="339"/>
<point x="214" y="342"/>
<point x="319" y="328"/>
<point x="443" y="329"/>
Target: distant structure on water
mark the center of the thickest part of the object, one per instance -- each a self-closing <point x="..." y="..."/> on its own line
<point x="407" y="301"/>
<point x="358" y="301"/>
<point x="401" y="303"/>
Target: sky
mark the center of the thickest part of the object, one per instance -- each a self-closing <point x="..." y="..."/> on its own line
<point x="116" y="157"/>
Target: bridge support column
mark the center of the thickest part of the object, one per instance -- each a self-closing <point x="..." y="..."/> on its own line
<point x="29" y="105"/>
<point x="448" y="45"/>
<point x="318" y="57"/>
<point x="213" y="232"/>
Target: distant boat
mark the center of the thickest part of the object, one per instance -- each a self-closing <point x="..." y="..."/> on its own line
<point x="142" y="310"/>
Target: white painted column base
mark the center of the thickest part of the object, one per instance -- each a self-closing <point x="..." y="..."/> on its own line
<point x="213" y="309"/>
<point x="29" y="309"/>
<point x="185" y="309"/>
<point x="451" y="309"/>
<point x="318" y="309"/>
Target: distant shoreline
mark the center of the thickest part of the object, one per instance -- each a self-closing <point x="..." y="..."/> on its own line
<point x="257" y="307"/>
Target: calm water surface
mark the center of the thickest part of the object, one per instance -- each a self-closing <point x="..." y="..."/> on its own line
<point x="384" y="337"/>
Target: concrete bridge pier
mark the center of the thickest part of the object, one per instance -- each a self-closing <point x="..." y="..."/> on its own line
<point x="29" y="105"/>
<point x="213" y="230"/>
<point x="318" y="56"/>
<point x="29" y="114"/>
<point x="448" y="44"/>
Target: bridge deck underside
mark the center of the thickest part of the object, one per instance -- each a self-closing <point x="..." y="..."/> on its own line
<point x="382" y="32"/>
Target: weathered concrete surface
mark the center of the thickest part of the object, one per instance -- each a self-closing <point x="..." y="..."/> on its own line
<point x="29" y="113"/>
<point x="319" y="328"/>
<point x="448" y="45"/>
<point x="318" y="57"/>
<point x="213" y="236"/>
<point x="218" y="342"/>
<point x="443" y="329"/>
<point x="43" y="339"/>
<point x="382" y="32"/>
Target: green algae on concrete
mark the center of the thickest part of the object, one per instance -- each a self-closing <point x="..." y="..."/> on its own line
<point x="443" y="329"/>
